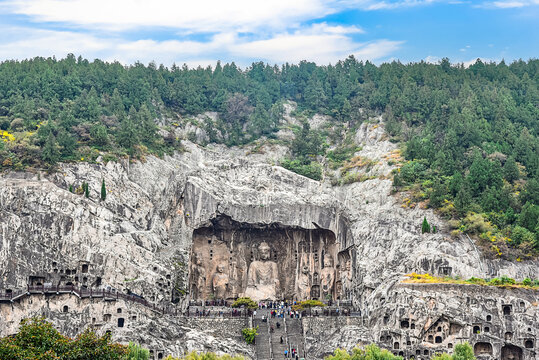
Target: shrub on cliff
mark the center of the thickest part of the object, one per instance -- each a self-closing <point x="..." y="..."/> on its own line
<point x="462" y="352"/>
<point x="137" y="352"/>
<point x="370" y="352"/>
<point x="206" y="356"/>
<point x="306" y="304"/>
<point x="249" y="334"/>
<point x="38" y="339"/>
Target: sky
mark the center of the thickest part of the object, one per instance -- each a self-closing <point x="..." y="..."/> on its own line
<point x="198" y="32"/>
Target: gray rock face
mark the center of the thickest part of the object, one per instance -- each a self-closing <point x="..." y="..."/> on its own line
<point x="140" y="239"/>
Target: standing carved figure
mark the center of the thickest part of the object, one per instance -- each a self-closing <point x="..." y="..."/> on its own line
<point x="327" y="277"/>
<point x="198" y="284"/>
<point x="262" y="277"/>
<point x="220" y="283"/>
<point x="304" y="284"/>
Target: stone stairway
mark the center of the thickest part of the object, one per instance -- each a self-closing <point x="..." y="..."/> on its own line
<point x="263" y="339"/>
<point x="296" y="340"/>
<point x="278" y="332"/>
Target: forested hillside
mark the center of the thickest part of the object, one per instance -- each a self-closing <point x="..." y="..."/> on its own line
<point x="469" y="135"/>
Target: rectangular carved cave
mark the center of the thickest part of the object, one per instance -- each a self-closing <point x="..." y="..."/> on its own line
<point x="266" y="262"/>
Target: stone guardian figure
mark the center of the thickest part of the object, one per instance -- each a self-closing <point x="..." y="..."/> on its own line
<point x="198" y="284"/>
<point x="327" y="280"/>
<point x="304" y="284"/>
<point x="262" y="277"/>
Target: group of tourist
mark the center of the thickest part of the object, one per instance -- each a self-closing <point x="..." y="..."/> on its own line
<point x="293" y="354"/>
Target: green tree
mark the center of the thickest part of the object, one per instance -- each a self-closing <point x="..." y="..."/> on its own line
<point x="425" y="226"/>
<point x="51" y="152"/>
<point x="437" y="195"/>
<point x="249" y="334"/>
<point x="38" y="339"/>
<point x="136" y="352"/>
<point x="127" y="135"/>
<point x="370" y="352"/>
<point x="510" y="170"/>
<point x="103" y="190"/>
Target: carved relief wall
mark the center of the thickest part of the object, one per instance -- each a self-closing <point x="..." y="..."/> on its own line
<point x="266" y="262"/>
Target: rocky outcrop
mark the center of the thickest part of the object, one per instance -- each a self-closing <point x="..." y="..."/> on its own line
<point x="139" y="241"/>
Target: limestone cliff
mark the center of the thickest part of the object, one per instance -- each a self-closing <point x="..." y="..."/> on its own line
<point x="140" y="239"/>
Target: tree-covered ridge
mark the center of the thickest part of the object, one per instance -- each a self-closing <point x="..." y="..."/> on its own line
<point x="469" y="135"/>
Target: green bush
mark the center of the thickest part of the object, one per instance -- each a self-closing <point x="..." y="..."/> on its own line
<point x="206" y="356"/>
<point x="245" y="301"/>
<point x="370" y="352"/>
<point x="312" y="169"/>
<point x="137" y="352"/>
<point x="38" y="339"/>
<point x="306" y="304"/>
<point x="249" y="334"/>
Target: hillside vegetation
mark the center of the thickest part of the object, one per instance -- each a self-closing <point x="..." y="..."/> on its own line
<point x="469" y="135"/>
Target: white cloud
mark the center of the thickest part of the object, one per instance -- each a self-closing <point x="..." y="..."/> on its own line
<point x="196" y="16"/>
<point x="320" y="43"/>
<point x="192" y="16"/>
<point x="395" y="4"/>
<point x="432" y="59"/>
<point x="315" y="44"/>
<point x="509" y="4"/>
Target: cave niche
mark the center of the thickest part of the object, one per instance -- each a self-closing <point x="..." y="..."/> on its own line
<point x="482" y="348"/>
<point x="511" y="352"/>
<point x="266" y="262"/>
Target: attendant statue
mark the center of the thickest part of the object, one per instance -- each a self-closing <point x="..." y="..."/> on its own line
<point x="304" y="284"/>
<point x="262" y="277"/>
<point x="220" y="283"/>
<point x="198" y="284"/>
<point x="327" y="277"/>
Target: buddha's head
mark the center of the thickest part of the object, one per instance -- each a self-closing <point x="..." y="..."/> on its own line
<point x="264" y="251"/>
<point x="220" y="268"/>
<point x="328" y="261"/>
<point x="198" y="258"/>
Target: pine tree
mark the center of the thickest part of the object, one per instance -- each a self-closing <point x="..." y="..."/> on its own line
<point x="510" y="170"/>
<point x="50" y="153"/>
<point x="86" y="191"/>
<point x="425" y="227"/>
<point x="103" y="190"/>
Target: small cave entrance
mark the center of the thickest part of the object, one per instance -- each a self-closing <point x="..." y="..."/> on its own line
<point x="299" y="263"/>
<point x="476" y="329"/>
<point x="396" y="345"/>
<point x="121" y="322"/>
<point x="65" y="308"/>
<point x="507" y="309"/>
<point x="405" y="324"/>
<point x="438" y="339"/>
<point x="482" y="348"/>
<point x="511" y="352"/>
<point x="84" y="268"/>
<point x="528" y="344"/>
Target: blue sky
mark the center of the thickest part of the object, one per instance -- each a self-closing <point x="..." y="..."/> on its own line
<point x="273" y="31"/>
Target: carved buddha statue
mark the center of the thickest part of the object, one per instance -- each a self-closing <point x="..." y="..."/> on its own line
<point x="263" y="276"/>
